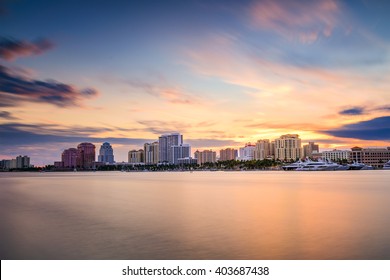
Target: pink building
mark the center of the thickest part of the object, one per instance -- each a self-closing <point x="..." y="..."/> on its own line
<point x="69" y="158"/>
<point x="85" y="155"/>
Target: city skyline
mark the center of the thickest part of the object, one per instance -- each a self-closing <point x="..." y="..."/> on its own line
<point x="223" y="73"/>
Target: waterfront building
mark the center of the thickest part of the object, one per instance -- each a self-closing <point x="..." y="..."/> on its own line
<point x="336" y="155"/>
<point x="18" y="162"/>
<point x="106" y="154"/>
<point x="187" y="160"/>
<point x="310" y="148"/>
<point x="288" y="147"/>
<point x="205" y="156"/>
<point x="165" y="143"/>
<point x="376" y="157"/>
<point x="228" y="154"/>
<point x="85" y="155"/>
<point x="136" y="156"/>
<point x="22" y="162"/>
<point x="262" y="149"/>
<point x="59" y="164"/>
<point x="272" y="148"/>
<point x="13" y="163"/>
<point x="151" y="153"/>
<point x="69" y="158"/>
<point x="247" y="152"/>
<point x="179" y="151"/>
<point x="5" y="164"/>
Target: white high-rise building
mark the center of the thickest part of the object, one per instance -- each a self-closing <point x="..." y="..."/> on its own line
<point x="288" y="147"/>
<point x="180" y="151"/>
<point x="165" y="142"/>
<point x="247" y="152"/>
<point x="22" y="162"/>
<point x="106" y="153"/>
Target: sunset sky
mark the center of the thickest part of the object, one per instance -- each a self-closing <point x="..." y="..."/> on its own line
<point x="222" y="73"/>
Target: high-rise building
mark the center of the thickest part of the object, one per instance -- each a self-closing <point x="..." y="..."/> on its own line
<point x="165" y="142"/>
<point x="18" y="162"/>
<point x="288" y="147"/>
<point x="136" y="156"/>
<point x="262" y="149"/>
<point x="22" y="162"/>
<point x="228" y="154"/>
<point x="85" y="155"/>
<point x="106" y="153"/>
<point x="13" y="163"/>
<point x="310" y="148"/>
<point x="69" y="158"/>
<point x="247" y="152"/>
<point x="272" y="148"/>
<point x="151" y="153"/>
<point x="205" y="156"/>
<point x="179" y="151"/>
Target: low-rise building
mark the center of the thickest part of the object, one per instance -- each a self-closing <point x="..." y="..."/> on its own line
<point x="375" y="157"/>
<point x="336" y="155"/>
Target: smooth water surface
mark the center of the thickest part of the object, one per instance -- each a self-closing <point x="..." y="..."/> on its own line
<point x="198" y="215"/>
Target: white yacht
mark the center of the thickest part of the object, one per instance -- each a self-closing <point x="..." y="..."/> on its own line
<point x="309" y="165"/>
<point x="319" y="166"/>
<point x="387" y="165"/>
<point x="293" y="166"/>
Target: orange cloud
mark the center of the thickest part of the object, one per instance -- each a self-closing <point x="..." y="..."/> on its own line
<point x="171" y="94"/>
<point x="301" y="20"/>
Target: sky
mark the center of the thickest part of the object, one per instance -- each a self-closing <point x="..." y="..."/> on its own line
<point x="222" y="73"/>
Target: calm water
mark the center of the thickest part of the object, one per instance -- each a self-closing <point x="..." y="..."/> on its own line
<point x="199" y="215"/>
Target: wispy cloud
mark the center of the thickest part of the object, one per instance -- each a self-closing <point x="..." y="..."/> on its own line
<point x="7" y="115"/>
<point x="353" y="111"/>
<point x="14" y="134"/>
<point x="15" y="89"/>
<point x="304" y="21"/>
<point x="161" y="127"/>
<point x="11" y="48"/>
<point x="171" y="94"/>
<point x="362" y="110"/>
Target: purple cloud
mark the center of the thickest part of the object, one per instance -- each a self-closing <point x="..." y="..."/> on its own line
<point x="11" y="49"/>
<point x="375" y="129"/>
<point x="52" y="92"/>
<point x="353" y="111"/>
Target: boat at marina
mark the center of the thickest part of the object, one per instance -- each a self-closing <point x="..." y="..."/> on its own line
<point x="309" y="165"/>
<point x="359" y="166"/>
<point x="293" y="166"/>
<point x="387" y="165"/>
<point x="319" y="166"/>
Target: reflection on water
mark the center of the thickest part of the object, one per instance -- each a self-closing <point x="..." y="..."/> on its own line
<point x="199" y="215"/>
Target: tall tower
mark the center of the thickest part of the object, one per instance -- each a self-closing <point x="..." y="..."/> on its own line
<point x="151" y="153"/>
<point x="106" y="153"/>
<point x="263" y="149"/>
<point x="165" y="142"/>
<point x="288" y="147"/>
<point x="69" y="158"/>
<point x="85" y="155"/>
<point x="179" y="151"/>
